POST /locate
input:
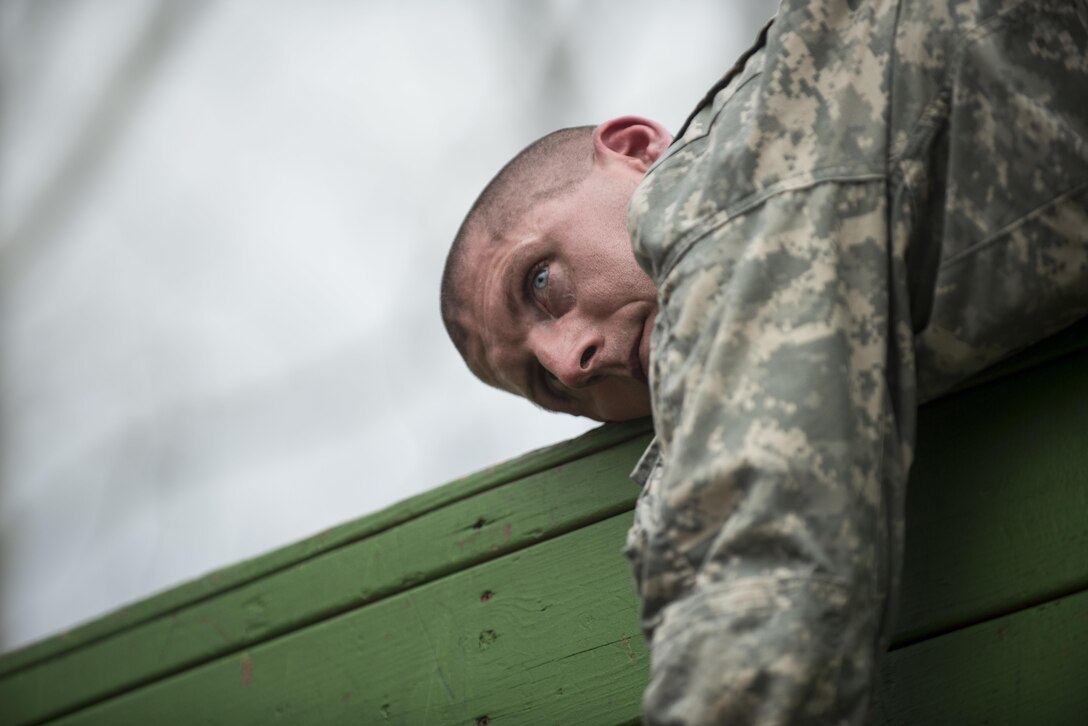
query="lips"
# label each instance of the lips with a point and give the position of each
(638, 371)
(644, 347)
(640, 353)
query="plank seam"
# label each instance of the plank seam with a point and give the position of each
(322, 617)
(1026, 603)
(1072, 342)
(502, 480)
(440, 574)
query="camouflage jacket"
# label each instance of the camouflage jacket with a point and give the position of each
(879, 200)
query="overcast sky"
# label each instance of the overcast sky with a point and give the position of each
(222, 226)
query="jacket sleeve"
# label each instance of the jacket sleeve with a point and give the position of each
(768, 543)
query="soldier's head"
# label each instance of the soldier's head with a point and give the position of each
(541, 293)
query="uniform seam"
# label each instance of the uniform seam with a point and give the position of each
(1018, 222)
(749, 203)
(884, 583)
(889, 75)
(681, 143)
(736, 71)
(929, 118)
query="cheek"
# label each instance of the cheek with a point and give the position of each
(617, 277)
(634, 278)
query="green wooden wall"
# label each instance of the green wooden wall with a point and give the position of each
(503, 598)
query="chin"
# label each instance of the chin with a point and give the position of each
(628, 409)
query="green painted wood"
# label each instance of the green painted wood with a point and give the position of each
(998, 501)
(249, 570)
(548, 635)
(460, 535)
(995, 510)
(545, 635)
(1030, 667)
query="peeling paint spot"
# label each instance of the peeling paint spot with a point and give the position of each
(247, 671)
(507, 530)
(256, 615)
(487, 595)
(479, 523)
(627, 648)
(487, 637)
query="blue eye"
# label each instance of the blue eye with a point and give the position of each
(540, 279)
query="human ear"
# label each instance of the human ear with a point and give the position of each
(630, 140)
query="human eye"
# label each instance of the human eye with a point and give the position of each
(539, 278)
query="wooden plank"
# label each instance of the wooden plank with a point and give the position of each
(249, 570)
(999, 492)
(458, 536)
(958, 565)
(542, 636)
(548, 635)
(1030, 667)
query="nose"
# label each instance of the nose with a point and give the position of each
(570, 353)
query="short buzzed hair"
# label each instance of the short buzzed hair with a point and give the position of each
(544, 170)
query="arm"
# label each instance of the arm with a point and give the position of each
(770, 538)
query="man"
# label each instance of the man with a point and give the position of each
(880, 199)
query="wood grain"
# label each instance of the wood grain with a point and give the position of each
(503, 595)
(235, 575)
(460, 535)
(544, 635)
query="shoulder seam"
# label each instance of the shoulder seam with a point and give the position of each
(827, 175)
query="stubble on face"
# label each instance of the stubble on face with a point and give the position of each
(585, 349)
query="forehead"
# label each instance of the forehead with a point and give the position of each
(489, 311)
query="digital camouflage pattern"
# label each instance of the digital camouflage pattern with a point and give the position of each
(885, 198)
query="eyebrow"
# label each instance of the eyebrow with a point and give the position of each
(513, 288)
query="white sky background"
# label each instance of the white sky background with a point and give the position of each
(222, 226)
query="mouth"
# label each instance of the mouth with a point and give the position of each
(640, 354)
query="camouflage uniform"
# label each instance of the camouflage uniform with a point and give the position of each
(882, 198)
